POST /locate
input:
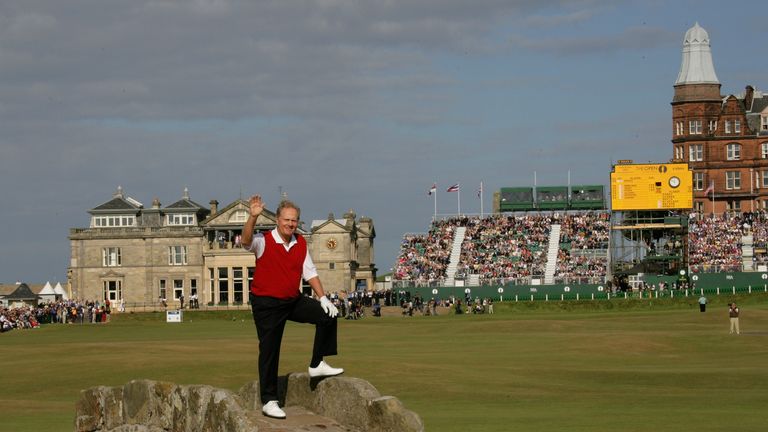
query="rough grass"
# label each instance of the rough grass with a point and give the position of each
(529, 367)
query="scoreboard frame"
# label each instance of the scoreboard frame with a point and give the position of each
(661, 186)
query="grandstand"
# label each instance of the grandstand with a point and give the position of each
(523, 248)
(553, 238)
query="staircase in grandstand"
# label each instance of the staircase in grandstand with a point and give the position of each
(458, 239)
(747, 253)
(552, 249)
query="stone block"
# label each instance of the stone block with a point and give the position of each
(346, 400)
(387, 413)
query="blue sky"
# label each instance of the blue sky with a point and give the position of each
(342, 104)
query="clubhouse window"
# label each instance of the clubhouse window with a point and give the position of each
(111, 257)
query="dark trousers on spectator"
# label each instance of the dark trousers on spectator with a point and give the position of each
(270, 315)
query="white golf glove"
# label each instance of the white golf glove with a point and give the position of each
(328, 307)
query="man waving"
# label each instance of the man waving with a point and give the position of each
(282, 261)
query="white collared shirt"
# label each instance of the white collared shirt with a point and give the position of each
(257, 247)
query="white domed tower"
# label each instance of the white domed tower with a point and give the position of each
(718, 136)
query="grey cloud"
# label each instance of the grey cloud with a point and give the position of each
(633, 38)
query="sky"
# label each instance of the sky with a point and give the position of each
(341, 104)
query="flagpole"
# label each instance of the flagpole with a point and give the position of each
(458, 197)
(481, 199)
(435, 194)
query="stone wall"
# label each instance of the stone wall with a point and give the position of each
(156, 406)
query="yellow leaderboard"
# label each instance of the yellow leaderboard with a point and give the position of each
(651, 187)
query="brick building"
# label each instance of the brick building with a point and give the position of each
(724, 139)
(143, 255)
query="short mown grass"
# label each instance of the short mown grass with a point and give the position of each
(635, 365)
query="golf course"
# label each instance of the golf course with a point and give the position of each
(618, 365)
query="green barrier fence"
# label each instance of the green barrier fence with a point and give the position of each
(707, 283)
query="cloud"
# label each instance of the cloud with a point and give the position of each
(631, 38)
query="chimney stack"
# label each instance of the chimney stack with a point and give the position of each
(214, 207)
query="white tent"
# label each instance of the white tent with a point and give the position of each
(47, 294)
(60, 293)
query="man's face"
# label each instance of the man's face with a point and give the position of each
(287, 222)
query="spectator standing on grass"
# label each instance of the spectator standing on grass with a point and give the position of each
(282, 261)
(733, 313)
(702, 303)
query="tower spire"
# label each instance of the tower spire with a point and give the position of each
(697, 66)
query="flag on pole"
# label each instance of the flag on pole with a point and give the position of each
(454, 188)
(433, 189)
(711, 188)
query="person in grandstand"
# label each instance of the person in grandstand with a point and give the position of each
(282, 260)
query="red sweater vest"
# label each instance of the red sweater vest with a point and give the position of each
(278, 271)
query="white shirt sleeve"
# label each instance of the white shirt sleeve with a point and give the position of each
(257, 245)
(310, 270)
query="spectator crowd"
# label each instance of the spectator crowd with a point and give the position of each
(507, 248)
(62, 312)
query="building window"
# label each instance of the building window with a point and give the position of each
(696, 152)
(211, 285)
(694, 127)
(733, 205)
(698, 206)
(223, 285)
(192, 288)
(183, 219)
(764, 123)
(763, 204)
(734, 151)
(113, 290)
(764, 179)
(178, 288)
(698, 181)
(177, 255)
(162, 290)
(712, 126)
(239, 216)
(727, 126)
(331, 266)
(679, 128)
(732, 180)
(237, 284)
(737, 126)
(113, 221)
(764, 150)
(111, 257)
(678, 152)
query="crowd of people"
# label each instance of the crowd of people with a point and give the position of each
(584, 240)
(62, 312)
(714, 241)
(425, 257)
(508, 248)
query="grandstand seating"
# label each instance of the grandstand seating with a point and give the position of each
(563, 247)
(506, 248)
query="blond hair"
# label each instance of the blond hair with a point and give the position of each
(284, 204)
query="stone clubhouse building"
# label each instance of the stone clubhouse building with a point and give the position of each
(181, 251)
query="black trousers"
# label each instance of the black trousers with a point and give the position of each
(270, 315)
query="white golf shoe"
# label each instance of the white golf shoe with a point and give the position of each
(272, 409)
(324, 370)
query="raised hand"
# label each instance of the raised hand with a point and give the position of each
(257, 205)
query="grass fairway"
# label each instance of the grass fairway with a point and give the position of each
(655, 369)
